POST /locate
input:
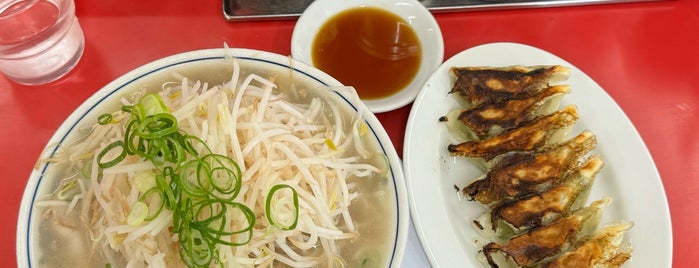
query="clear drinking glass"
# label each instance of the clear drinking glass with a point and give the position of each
(40, 40)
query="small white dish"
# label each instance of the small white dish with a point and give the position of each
(412, 11)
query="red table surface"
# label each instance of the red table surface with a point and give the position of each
(643, 54)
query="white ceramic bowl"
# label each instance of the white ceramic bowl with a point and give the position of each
(412, 11)
(40, 180)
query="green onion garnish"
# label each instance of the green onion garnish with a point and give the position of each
(104, 119)
(117, 145)
(269, 212)
(198, 186)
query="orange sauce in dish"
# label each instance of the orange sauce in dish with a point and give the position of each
(371, 49)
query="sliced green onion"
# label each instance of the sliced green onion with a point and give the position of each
(210, 231)
(175, 150)
(104, 119)
(188, 145)
(195, 251)
(157, 126)
(161, 203)
(113, 146)
(247, 230)
(268, 207)
(150, 104)
(139, 212)
(197, 185)
(224, 174)
(189, 179)
(170, 193)
(128, 108)
(131, 140)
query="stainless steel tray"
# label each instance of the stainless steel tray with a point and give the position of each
(290, 9)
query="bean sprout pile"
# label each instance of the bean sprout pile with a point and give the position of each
(242, 174)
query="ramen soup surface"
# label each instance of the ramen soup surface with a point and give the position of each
(61, 240)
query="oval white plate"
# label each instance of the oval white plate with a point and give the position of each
(444, 223)
(411, 11)
(39, 181)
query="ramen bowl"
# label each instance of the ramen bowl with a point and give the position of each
(372, 45)
(51, 230)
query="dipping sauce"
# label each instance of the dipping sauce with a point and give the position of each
(371, 49)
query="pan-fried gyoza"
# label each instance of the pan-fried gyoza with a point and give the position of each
(603, 249)
(482, 85)
(547, 241)
(537, 209)
(529, 172)
(487, 120)
(542, 131)
(536, 180)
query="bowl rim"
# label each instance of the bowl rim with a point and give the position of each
(24, 220)
(416, 14)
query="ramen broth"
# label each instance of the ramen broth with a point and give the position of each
(61, 239)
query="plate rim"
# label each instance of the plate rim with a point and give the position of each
(417, 106)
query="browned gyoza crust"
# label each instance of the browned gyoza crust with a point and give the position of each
(602, 249)
(547, 241)
(530, 211)
(481, 85)
(521, 173)
(508, 114)
(527, 137)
